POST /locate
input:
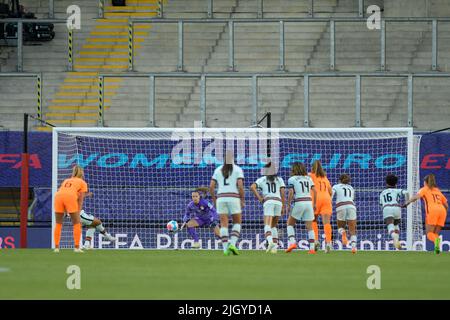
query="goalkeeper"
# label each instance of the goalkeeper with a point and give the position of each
(200, 212)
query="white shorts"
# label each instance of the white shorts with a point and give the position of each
(228, 205)
(86, 219)
(303, 210)
(392, 212)
(272, 208)
(346, 214)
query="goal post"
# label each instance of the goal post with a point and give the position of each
(143, 177)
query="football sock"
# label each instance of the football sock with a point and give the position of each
(291, 234)
(224, 238)
(57, 234)
(193, 233)
(77, 235)
(235, 232)
(268, 234)
(327, 228)
(275, 235)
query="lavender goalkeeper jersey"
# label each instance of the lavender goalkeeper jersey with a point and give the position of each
(203, 211)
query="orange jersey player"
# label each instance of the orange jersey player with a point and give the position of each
(436, 207)
(69, 199)
(323, 203)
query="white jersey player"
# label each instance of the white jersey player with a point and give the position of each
(93, 224)
(300, 188)
(272, 189)
(345, 210)
(390, 204)
(229, 179)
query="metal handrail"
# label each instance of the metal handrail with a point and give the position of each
(210, 8)
(39, 88)
(255, 76)
(20, 23)
(282, 43)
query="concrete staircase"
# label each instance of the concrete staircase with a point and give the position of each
(206, 50)
(104, 49)
(9, 206)
(71, 98)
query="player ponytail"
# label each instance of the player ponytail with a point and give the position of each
(227, 170)
(298, 169)
(318, 170)
(77, 172)
(431, 181)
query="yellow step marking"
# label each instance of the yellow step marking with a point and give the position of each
(107, 8)
(83, 73)
(9, 200)
(71, 114)
(88, 86)
(101, 67)
(141, 26)
(131, 14)
(82, 94)
(78, 100)
(102, 20)
(113, 40)
(43, 129)
(61, 121)
(117, 33)
(109, 46)
(103, 59)
(80, 108)
(87, 80)
(101, 53)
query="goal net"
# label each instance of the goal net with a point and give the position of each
(143, 178)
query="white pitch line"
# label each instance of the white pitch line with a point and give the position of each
(4, 269)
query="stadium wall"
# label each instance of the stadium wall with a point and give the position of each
(434, 158)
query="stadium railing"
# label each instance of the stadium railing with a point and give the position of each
(255, 76)
(20, 23)
(282, 42)
(210, 8)
(39, 82)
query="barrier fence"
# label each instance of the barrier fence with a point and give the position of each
(255, 77)
(39, 88)
(282, 41)
(231, 43)
(259, 12)
(20, 23)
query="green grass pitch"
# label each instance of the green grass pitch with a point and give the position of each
(187, 274)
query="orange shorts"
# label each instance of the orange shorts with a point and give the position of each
(436, 218)
(323, 207)
(65, 202)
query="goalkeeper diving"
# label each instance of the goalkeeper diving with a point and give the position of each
(199, 213)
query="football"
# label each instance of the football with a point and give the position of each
(172, 226)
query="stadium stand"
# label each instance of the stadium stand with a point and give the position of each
(71, 98)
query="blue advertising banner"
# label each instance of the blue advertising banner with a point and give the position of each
(40, 150)
(127, 180)
(37, 237)
(435, 157)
